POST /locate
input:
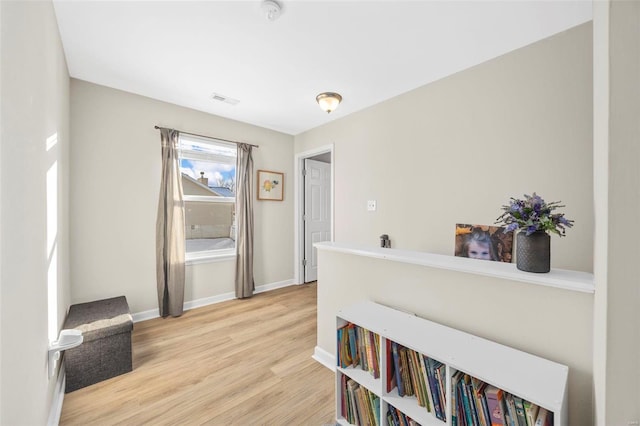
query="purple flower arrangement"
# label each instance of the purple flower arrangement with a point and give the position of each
(533, 214)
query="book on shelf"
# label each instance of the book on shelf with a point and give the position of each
(396, 362)
(502, 400)
(492, 394)
(419, 377)
(478, 387)
(531, 412)
(519, 409)
(432, 365)
(466, 401)
(396, 417)
(441, 371)
(391, 370)
(353, 416)
(358, 348)
(425, 381)
(476, 403)
(404, 370)
(359, 405)
(455, 400)
(351, 328)
(544, 418)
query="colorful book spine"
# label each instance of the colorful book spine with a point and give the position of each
(492, 393)
(531, 412)
(351, 330)
(396, 363)
(434, 388)
(440, 371)
(519, 408)
(543, 418)
(404, 367)
(466, 401)
(425, 380)
(478, 396)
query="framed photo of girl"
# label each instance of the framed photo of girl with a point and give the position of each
(270, 185)
(483, 242)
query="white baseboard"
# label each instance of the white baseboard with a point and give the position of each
(198, 303)
(58, 398)
(205, 301)
(324, 358)
(273, 286)
(145, 315)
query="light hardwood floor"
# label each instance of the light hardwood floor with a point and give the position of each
(242, 362)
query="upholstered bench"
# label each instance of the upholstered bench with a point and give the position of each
(106, 351)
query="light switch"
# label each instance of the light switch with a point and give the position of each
(371, 205)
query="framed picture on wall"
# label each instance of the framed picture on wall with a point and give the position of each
(270, 185)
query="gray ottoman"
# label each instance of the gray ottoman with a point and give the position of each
(106, 351)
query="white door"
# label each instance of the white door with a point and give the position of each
(317, 213)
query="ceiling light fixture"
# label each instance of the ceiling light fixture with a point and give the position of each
(271, 9)
(328, 101)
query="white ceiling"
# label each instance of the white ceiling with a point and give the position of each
(368, 51)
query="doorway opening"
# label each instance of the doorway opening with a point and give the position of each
(313, 209)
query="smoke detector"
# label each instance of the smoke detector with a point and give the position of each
(271, 9)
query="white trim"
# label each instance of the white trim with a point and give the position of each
(205, 301)
(273, 286)
(324, 358)
(145, 315)
(298, 194)
(209, 257)
(558, 278)
(58, 398)
(208, 199)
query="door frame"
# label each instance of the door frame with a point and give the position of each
(298, 188)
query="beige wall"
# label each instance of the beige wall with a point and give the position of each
(548, 322)
(455, 150)
(617, 166)
(34, 89)
(115, 177)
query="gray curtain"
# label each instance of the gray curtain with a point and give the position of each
(244, 222)
(170, 230)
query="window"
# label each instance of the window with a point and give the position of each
(208, 170)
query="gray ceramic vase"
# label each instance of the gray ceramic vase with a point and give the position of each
(533, 252)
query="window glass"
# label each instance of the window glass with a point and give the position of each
(208, 170)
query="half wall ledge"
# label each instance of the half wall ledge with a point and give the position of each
(558, 278)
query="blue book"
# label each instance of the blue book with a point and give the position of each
(396, 363)
(465, 401)
(433, 384)
(352, 344)
(394, 414)
(340, 347)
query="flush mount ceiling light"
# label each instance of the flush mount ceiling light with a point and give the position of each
(271, 9)
(328, 101)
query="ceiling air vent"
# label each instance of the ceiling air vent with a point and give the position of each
(221, 98)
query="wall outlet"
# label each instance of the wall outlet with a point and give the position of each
(371, 205)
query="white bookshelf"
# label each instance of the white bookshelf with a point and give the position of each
(530, 377)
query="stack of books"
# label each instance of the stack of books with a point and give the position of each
(417, 375)
(358, 347)
(396, 417)
(476, 403)
(359, 405)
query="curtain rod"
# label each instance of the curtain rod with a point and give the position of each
(204, 136)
